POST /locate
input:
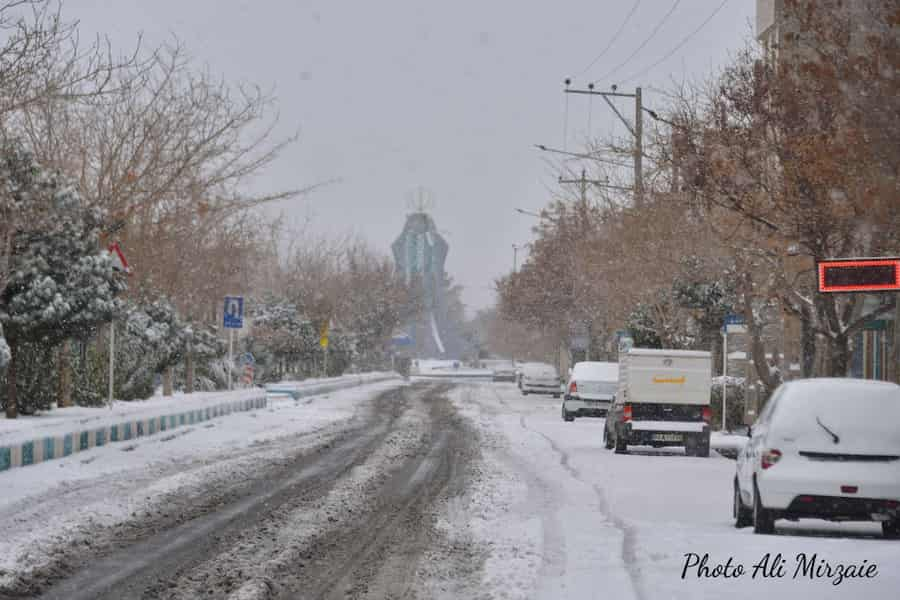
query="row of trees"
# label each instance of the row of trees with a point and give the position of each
(754, 175)
(145, 149)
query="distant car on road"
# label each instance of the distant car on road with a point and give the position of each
(826, 449)
(501, 370)
(590, 389)
(537, 378)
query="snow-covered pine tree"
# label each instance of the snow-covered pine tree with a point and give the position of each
(154, 338)
(55, 282)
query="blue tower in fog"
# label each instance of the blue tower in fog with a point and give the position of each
(419, 254)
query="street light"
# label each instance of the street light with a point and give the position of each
(529, 213)
(516, 248)
(656, 117)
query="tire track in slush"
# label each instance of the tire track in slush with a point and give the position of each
(629, 536)
(541, 494)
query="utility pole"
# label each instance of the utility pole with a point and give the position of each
(515, 264)
(583, 182)
(637, 131)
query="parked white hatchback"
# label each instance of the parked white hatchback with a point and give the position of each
(826, 449)
(590, 390)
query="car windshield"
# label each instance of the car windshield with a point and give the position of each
(437, 300)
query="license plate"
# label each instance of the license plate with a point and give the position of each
(667, 437)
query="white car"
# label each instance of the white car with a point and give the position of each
(823, 448)
(590, 390)
(539, 379)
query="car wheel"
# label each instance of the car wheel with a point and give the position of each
(763, 519)
(891, 529)
(743, 516)
(621, 445)
(556, 395)
(689, 448)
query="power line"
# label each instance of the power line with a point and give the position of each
(643, 44)
(613, 39)
(680, 44)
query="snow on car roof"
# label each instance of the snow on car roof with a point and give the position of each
(596, 371)
(874, 405)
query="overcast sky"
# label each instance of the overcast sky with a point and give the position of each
(395, 94)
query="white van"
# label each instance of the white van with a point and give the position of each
(662, 400)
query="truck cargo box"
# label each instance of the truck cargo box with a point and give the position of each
(665, 376)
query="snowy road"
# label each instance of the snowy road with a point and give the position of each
(566, 518)
(339, 503)
(435, 490)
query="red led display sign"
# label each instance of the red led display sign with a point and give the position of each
(859, 275)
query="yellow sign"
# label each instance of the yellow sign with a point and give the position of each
(323, 335)
(678, 380)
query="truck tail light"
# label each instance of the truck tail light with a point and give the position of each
(707, 414)
(573, 388)
(769, 458)
(626, 413)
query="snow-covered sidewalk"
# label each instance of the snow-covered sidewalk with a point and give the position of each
(62, 432)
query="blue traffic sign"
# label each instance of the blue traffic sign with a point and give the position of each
(401, 340)
(234, 312)
(247, 359)
(734, 319)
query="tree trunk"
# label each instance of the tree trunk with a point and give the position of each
(12, 407)
(167, 381)
(807, 344)
(839, 356)
(65, 374)
(189, 372)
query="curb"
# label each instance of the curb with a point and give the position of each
(40, 450)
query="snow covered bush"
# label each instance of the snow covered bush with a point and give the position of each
(56, 284)
(152, 339)
(4, 353)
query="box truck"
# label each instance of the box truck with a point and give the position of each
(662, 400)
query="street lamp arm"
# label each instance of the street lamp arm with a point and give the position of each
(655, 116)
(529, 213)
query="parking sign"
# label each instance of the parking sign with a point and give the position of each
(234, 312)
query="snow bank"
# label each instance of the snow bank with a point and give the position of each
(446, 368)
(64, 431)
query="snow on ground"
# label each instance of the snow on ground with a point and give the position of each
(68, 498)
(60, 421)
(64, 420)
(562, 517)
(731, 442)
(442, 368)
